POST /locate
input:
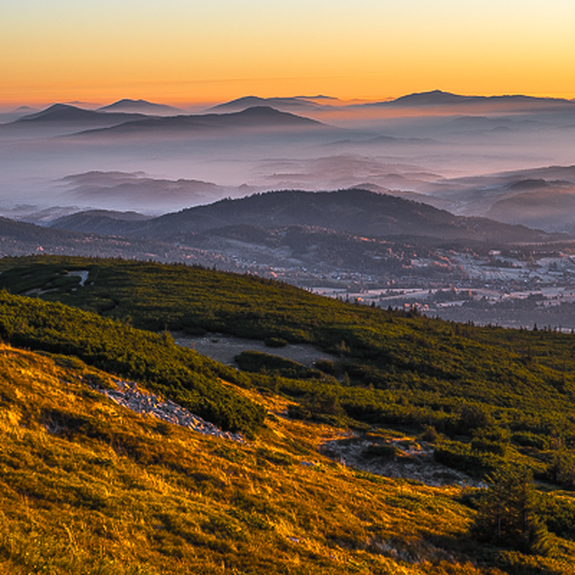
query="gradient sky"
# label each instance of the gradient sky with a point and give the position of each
(181, 51)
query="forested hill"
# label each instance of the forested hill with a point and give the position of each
(355, 211)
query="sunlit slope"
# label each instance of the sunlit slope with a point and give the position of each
(177, 373)
(493, 395)
(90, 487)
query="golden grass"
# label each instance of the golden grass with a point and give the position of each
(89, 487)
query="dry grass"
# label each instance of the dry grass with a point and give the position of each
(89, 487)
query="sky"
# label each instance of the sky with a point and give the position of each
(186, 51)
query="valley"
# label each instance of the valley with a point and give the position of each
(459, 268)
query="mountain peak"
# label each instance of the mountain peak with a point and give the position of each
(285, 104)
(430, 98)
(140, 106)
(60, 112)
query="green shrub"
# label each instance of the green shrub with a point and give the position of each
(528, 439)
(275, 342)
(258, 362)
(462, 457)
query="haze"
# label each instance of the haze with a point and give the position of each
(417, 144)
(196, 55)
(153, 108)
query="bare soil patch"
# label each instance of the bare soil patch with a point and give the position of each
(224, 348)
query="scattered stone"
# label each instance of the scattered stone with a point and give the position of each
(129, 395)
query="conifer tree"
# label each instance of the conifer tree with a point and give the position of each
(507, 516)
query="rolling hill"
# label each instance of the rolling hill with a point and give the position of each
(21, 238)
(71, 114)
(351, 211)
(139, 189)
(255, 118)
(539, 197)
(295, 104)
(141, 107)
(441, 99)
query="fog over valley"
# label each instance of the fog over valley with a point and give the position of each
(419, 143)
(497, 173)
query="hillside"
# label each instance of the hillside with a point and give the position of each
(447, 100)
(137, 189)
(177, 373)
(512, 389)
(66, 113)
(255, 118)
(90, 486)
(21, 238)
(541, 197)
(351, 211)
(301, 105)
(141, 107)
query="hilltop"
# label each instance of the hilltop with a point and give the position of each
(296, 104)
(254, 118)
(441, 99)
(141, 107)
(72, 114)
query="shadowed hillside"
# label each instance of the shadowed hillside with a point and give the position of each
(353, 211)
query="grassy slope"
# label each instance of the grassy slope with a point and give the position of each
(178, 373)
(88, 487)
(523, 378)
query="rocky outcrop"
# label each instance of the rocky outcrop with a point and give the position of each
(131, 396)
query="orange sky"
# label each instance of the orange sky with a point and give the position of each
(180, 52)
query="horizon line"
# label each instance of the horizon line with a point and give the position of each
(89, 103)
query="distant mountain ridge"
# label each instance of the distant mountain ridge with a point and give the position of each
(96, 185)
(126, 191)
(289, 104)
(441, 98)
(542, 197)
(69, 113)
(258, 117)
(98, 122)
